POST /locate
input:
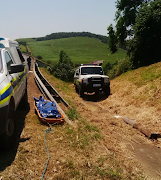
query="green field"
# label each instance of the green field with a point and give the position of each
(79, 49)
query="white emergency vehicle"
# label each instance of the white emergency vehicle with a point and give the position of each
(91, 78)
(13, 88)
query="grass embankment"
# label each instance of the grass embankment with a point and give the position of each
(79, 49)
(146, 81)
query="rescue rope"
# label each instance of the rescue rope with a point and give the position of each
(47, 131)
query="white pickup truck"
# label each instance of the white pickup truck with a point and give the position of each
(13, 88)
(91, 78)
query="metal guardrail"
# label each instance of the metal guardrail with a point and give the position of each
(48, 91)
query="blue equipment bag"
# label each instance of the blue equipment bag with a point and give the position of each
(47, 109)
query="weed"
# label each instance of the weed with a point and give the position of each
(115, 175)
(72, 114)
(91, 128)
(69, 164)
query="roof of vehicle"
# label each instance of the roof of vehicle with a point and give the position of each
(87, 65)
(6, 42)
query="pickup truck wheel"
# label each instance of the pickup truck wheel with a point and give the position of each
(107, 91)
(97, 93)
(81, 92)
(76, 89)
(9, 134)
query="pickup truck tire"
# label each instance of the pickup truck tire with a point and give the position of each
(97, 93)
(76, 88)
(81, 91)
(8, 137)
(107, 91)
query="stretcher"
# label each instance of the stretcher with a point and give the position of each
(47, 111)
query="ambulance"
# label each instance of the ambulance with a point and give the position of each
(13, 89)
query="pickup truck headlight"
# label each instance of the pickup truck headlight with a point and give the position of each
(106, 80)
(85, 80)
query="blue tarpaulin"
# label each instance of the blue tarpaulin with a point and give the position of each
(47, 109)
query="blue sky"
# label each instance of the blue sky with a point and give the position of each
(37, 18)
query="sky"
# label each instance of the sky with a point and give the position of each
(38, 18)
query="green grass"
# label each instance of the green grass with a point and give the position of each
(144, 75)
(23, 48)
(79, 49)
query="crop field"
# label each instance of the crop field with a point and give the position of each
(79, 49)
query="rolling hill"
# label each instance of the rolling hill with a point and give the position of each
(79, 49)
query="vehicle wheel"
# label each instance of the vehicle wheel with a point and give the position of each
(107, 91)
(97, 93)
(76, 89)
(81, 92)
(8, 137)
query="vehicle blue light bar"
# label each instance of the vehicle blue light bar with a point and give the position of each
(2, 46)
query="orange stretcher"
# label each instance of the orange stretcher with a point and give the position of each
(49, 118)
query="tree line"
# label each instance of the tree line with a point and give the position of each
(59, 35)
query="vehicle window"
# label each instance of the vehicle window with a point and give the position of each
(77, 71)
(20, 55)
(1, 65)
(8, 60)
(91, 70)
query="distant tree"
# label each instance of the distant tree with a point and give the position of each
(59, 35)
(64, 69)
(112, 41)
(39, 57)
(22, 42)
(49, 62)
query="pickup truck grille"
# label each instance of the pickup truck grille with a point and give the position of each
(95, 80)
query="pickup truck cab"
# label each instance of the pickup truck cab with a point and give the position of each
(13, 88)
(91, 78)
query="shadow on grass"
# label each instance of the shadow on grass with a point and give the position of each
(8, 156)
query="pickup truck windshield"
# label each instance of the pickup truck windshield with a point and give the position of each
(1, 67)
(91, 70)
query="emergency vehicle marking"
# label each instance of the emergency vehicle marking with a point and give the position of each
(22, 75)
(7, 92)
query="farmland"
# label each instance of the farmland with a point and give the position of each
(79, 49)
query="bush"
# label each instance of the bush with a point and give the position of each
(64, 69)
(118, 68)
(39, 57)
